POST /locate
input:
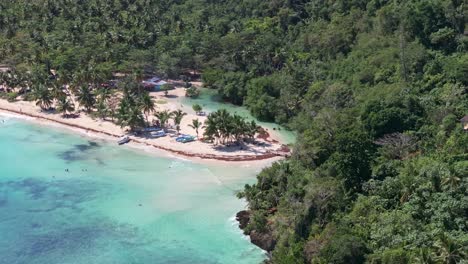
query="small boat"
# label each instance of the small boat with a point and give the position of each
(180, 137)
(123, 140)
(185, 139)
(151, 129)
(188, 139)
(157, 134)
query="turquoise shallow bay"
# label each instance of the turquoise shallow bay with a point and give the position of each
(115, 205)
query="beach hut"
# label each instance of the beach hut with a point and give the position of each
(157, 86)
(464, 122)
(154, 84)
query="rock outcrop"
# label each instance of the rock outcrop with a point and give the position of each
(264, 240)
(243, 217)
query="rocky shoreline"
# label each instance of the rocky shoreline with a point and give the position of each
(264, 240)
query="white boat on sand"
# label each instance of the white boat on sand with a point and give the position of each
(123, 140)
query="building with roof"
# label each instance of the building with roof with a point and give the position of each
(155, 84)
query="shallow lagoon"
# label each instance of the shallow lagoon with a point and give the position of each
(114, 205)
(211, 101)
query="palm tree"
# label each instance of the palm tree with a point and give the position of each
(135, 119)
(103, 94)
(238, 127)
(43, 97)
(64, 106)
(224, 124)
(448, 250)
(197, 108)
(177, 116)
(57, 91)
(147, 105)
(211, 127)
(112, 106)
(101, 108)
(252, 129)
(452, 180)
(424, 256)
(129, 113)
(196, 124)
(86, 98)
(163, 117)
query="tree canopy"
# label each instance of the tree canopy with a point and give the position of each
(375, 90)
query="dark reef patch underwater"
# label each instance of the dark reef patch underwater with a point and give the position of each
(65, 199)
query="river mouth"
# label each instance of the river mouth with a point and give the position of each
(71, 199)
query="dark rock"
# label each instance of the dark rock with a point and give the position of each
(243, 217)
(265, 241)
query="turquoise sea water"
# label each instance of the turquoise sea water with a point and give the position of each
(211, 101)
(114, 205)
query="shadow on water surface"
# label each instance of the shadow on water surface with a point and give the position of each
(51, 196)
(79, 152)
(75, 239)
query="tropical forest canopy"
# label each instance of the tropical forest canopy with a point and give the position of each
(375, 90)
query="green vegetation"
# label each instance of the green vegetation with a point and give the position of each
(196, 125)
(197, 108)
(375, 90)
(147, 105)
(178, 115)
(223, 127)
(163, 117)
(192, 92)
(64, 106)
(43, 97)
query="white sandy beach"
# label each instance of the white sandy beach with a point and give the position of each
(109, 131)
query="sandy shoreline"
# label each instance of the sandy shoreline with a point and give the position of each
(196, 151)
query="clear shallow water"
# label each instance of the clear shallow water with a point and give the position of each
(115, 205)
(210, 101)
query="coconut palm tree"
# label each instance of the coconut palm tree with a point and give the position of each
(57, 91)
(177, 116)
(425, 256)
(211, 127)
(135, 118)
(147, 105)
(129, 113)
(452, 180)
(43, 97)
(86, 98)
(238, 127)
(102, 108)
(224, 127)
(196, 124)
(163, 117)
(65, 106)
(224, 124)
(103, 94)
(448, 250)
(197, 108)
(251, 130)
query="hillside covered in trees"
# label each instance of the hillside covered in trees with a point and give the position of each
(375, 89)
